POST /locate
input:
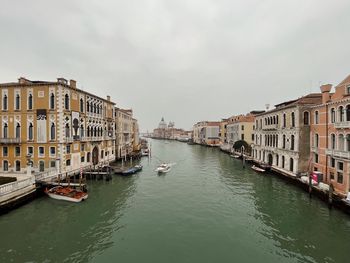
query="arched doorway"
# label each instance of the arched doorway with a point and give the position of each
(95, 156)
(270, 159)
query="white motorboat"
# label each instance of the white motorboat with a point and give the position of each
(66, 193)
(163, 168)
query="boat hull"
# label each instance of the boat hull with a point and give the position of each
(66, 198)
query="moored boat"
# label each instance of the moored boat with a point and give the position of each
(132, 170)
(258, 169)
(66, 193)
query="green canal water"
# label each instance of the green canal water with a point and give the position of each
(206, 209)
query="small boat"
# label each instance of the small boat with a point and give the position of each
(236, 156)
(66, 193)
(144, 152)
(163, 168)
(132, 170)
(258, 169)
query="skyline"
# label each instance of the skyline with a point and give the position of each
(186, 61)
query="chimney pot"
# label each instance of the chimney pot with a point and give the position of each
(73, 83)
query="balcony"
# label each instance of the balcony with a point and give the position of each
(338, 153)
(68, 140)
(10, 140)
(342, 125)
(270, 127)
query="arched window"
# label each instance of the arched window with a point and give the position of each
(292, 142)
(277, 159)
(316, 117)
(347, 112)
(30, 132)
(95, 109)
(17, 102)
(52, 101)
(284, 120)
(5, 131)
(276, 140)
(67, 131)
(18, 130)
(284, 141)
(91, 107)
(332, 115)
(341, 113)
(316, 142)
(277, 119)
(53, 131)
(30, 102)
(66, 102)
(306, 118)
(348, 142)
(282, 161)
(4, 102)
(293, 119)
(274, 119)
(88, 157)
(291, 164)
(341, 142)
(333, 141)
(87, 106)
(81, 105)
(95, 132)
(81, 130)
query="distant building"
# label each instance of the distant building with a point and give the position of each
(207, 133)
(167, 131)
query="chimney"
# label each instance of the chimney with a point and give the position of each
(108, 98)
(325, 89)
(23, 80)
(73, 84)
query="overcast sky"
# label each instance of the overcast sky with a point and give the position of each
(186, 60)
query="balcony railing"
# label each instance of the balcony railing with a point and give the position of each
(338, 153)
(17, 185)
(10, 140)
(68, 140)
(343, 124)
(270, 127)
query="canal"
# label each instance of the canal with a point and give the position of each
(206, 209)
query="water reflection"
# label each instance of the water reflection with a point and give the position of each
(59, 229)
(304, 229)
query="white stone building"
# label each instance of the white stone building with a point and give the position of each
(282, 136)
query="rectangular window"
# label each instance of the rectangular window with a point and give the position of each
(253, 137)
(82, 147)
(242, 127)
(68, 162)
(242, 137)
(41, 151)
(52, 151)
(68, 149)
(316, 158)
(30, 150)
(82, 159)
(52, 164)
(18, 151)
(340, 166)
(332, 162)
(331, 175)
(348, 89)
(5, 151)
(339, 177)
